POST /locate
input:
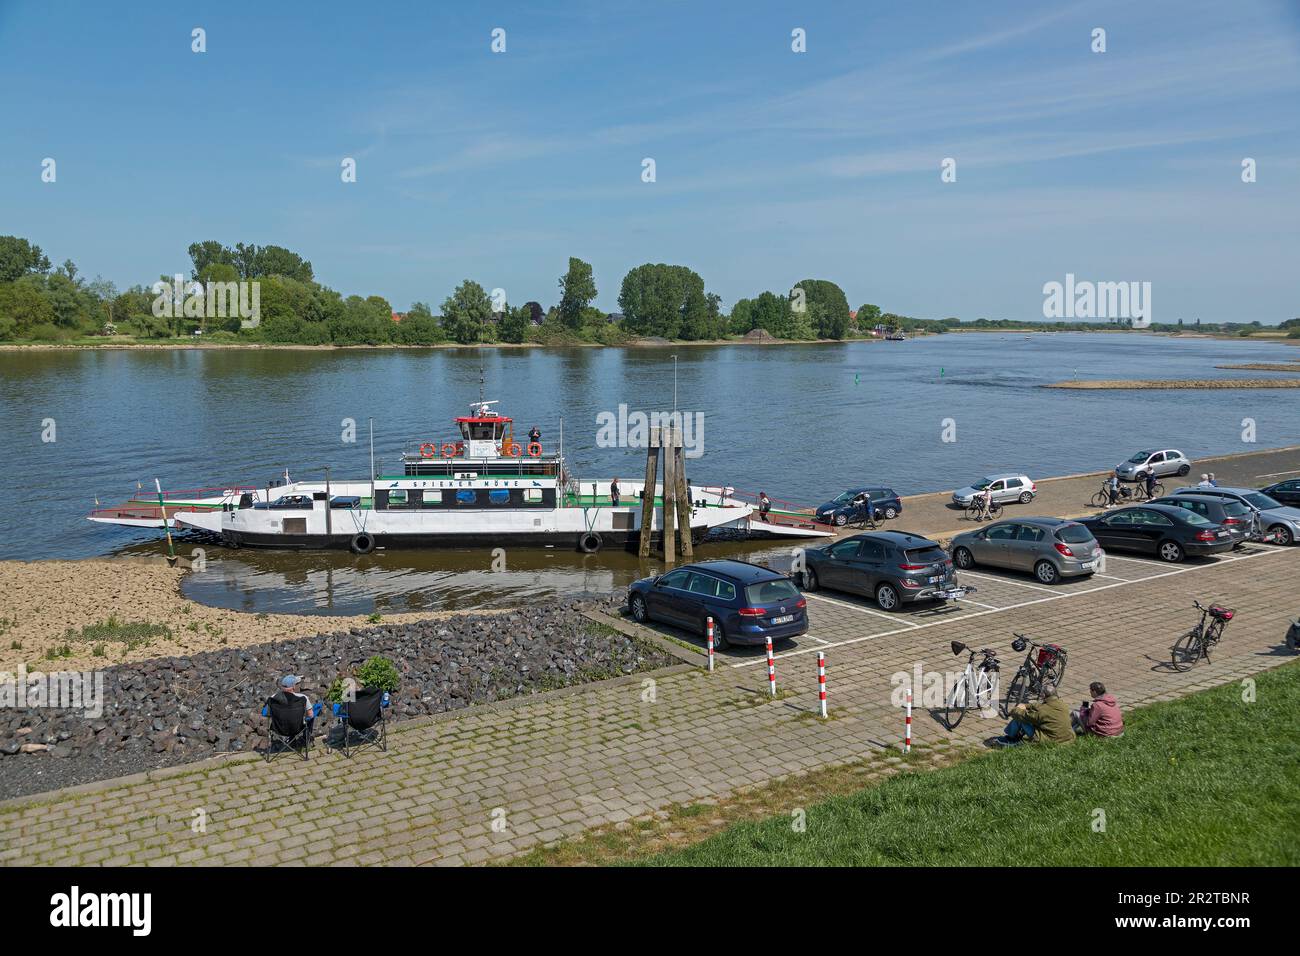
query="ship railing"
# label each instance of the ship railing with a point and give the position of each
(217, 491)
(781, 511)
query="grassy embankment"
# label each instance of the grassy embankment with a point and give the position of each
(1205, 780)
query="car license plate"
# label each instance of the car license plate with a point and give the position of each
(936, 578)
(1088, 565)
(784, 619)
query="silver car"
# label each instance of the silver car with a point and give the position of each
(1159, 461)
(1008, 486)
(1282, 520)
(1048, 548)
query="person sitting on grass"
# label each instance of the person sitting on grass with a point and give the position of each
(1045, 721)
(1099, 716)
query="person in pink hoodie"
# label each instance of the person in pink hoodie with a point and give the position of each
(1099, 717)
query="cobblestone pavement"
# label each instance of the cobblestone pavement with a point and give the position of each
(493, 782)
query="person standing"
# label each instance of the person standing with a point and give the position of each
(613, 492)
(1151, 484)
(534, 436)
(1112, 488)
(764, 505)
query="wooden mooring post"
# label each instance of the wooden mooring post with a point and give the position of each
(676, 510)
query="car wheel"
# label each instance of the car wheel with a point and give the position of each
(1183, 470)
(810, 580)
(841, 520)
(640, 614)
(891, 513)
(1046, 572)
(1171, 551)
(887, 597)
(963, 558)
(1026, 497)
(719, 635)
(1282, 534)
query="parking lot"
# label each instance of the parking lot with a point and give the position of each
(839, 620)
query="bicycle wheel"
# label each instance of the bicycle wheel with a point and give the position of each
(1157, 490)
(1055, 671)
(1186, 650)
(986, 693)
(995, 510)
(957, 703)
(972, 512)
(1100, 500)
(1017, 693)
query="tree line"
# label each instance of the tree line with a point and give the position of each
(41, 303)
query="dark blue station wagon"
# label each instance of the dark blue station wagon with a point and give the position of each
(748, 603)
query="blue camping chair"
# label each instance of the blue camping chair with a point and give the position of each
(363, 721)
(291, 728)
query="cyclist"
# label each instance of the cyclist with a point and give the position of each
(985, 501)
(1045, 721)
(1099, 716)
(1151, 484)
(1112, 488)
(863, 501)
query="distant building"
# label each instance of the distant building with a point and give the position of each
(398, 316)
(614, 317)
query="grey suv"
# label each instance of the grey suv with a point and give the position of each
(1279, 519)
(1232, 514)
(1158, 461)
(1049, 548)
(894, 567)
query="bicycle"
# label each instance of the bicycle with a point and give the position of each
(1048, 665)
(1102, 498)
(1140, 493)
(976, 510)
(868, 520)
(1196, 643)
(977, 686)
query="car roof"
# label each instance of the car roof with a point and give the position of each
(1163, 509)
(905, 539)
(740, 570)
(1042, 521)
(1198, 496)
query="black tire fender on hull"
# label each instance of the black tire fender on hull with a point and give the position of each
(590, 542)
(362, 543)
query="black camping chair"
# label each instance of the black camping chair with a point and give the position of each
(363, 721)
(289, 730)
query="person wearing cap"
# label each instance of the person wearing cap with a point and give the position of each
(1044, 721)
(288, 690)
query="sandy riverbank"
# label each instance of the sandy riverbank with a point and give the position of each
(42, 600)
(1266, 366)
(1181, 383)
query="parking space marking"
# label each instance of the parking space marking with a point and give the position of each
(864, 610)
(1064, 595)
(1019, 584)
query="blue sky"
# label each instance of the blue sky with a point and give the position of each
(772, 166)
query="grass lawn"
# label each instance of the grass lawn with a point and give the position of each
(1206, 780)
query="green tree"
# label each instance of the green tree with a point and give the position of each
(664, 300)
(868, 316)
(24, 306)
(771, 312)
(742, 314)
(465, 313)
(515, 323)
(577, 292)
(18, 258)
(830, 320)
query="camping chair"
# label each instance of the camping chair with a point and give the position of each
(363, 721)
(290, 728)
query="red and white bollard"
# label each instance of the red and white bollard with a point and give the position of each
(709, 630)
(771, 667)
(821, 681)
(907, 725)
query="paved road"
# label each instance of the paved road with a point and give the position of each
(934, 515)
(553, 766)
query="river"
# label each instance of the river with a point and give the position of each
(801, 422)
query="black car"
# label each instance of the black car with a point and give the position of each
(852, 505)
(894, 567)
(748, 603)
(1287, 492)
(1232, 514)
(1166, 531)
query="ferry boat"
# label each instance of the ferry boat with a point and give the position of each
(483, 488)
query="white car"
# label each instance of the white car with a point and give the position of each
(1010, 486)
(1158, 461)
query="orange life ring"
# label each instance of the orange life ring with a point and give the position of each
(428, 450)
(534, 449)
(514, 451)
(449, 450)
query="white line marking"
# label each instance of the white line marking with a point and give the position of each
(1278, 474)
(864, 610)
(967, 600)
(1019, 584)
(1055, 597)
